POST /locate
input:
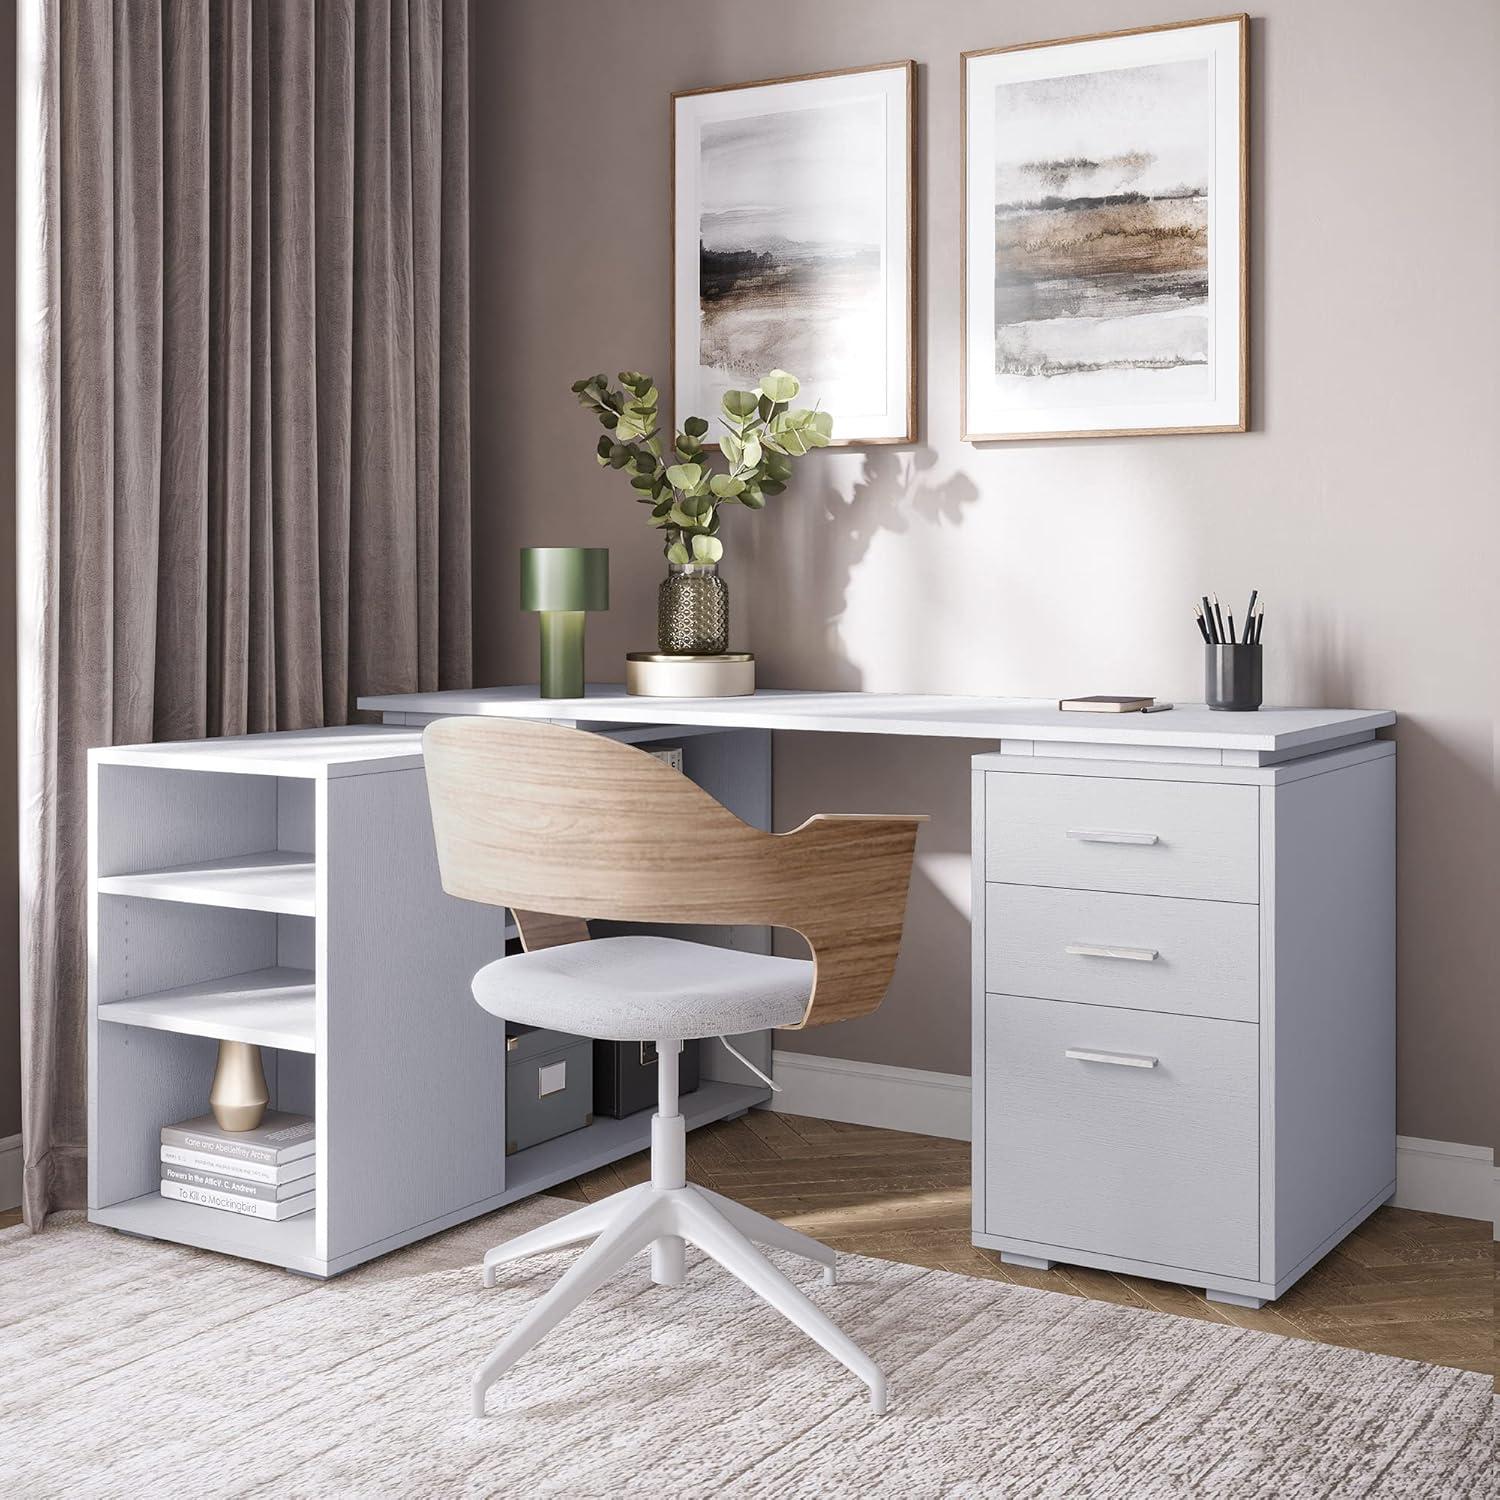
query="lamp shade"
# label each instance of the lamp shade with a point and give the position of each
(564, 578)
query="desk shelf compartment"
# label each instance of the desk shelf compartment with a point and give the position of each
(206, 838)
(294, 901)
(221, 972)
(144, 1078)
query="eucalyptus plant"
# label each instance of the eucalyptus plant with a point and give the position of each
(762, 434)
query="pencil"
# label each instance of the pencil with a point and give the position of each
(1208, 615)
(1202, 628)
(1250, 614)
(1218, 619)
(1231, 627)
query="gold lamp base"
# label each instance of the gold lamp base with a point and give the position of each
(239, 1096)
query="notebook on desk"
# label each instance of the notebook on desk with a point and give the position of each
(1104, 703)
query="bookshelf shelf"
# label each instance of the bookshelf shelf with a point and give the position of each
(273, 1007)
(274, 880)
(290, 1243)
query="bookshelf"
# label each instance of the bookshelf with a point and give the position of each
(283, 890)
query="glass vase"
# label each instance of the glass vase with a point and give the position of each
(692, 611)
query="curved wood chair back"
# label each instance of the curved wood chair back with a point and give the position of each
(561, 825)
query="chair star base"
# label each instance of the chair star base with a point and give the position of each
(664, 1215)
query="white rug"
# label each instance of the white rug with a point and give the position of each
(130, 1368)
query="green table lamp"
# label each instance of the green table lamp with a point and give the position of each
(561, 584)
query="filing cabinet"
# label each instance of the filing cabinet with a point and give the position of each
(1184, 1012)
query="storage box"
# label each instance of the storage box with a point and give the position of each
(625, 1076)
(549, 1085)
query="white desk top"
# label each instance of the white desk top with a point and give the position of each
(1189, 725)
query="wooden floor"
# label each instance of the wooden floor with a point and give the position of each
(1417, 1285)
(1421, 1286)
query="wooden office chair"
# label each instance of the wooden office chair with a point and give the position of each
(559, 826)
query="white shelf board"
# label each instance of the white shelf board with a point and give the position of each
(596, 1145)
(276, 881)
(290, 1243)
(349, 750)
(274, 1007)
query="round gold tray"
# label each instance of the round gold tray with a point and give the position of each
(652, 674)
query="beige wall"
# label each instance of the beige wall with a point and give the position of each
(1363, 504)
(10, 1073)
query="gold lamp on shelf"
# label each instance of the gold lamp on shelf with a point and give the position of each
(562, 584)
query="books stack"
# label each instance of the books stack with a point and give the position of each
(266, 1173)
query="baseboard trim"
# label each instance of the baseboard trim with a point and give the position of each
(10, 1172)
(1435, 1177)
(1444, 1177)
(861, 1093)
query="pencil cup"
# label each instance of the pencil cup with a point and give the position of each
(1231, 677)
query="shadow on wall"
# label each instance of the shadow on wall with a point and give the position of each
(1447, 870)
(1448, 864)
(1322, 670)
(795, 595)
(924, 1022)
(802, 566)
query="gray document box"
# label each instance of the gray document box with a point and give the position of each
(549, 1085)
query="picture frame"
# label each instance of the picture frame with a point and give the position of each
(1105, 234)
(794, 245)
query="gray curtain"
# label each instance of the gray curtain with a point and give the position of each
(243, 432)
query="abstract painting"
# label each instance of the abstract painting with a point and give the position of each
(1104, 235)
(792, 246)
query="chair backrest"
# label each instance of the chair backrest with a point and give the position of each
(561, 825)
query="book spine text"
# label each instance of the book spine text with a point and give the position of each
(216, 1182)
(249, 1171)
(251, 1207)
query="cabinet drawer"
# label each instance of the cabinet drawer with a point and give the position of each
(1150, 838)
(1155, 1163)
(1198, 958)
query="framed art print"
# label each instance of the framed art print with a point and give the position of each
(793, 246)
(1105, 235)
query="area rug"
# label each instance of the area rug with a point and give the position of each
(133, 1368)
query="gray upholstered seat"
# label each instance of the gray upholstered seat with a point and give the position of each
(634, 989)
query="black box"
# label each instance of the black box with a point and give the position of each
(625, 1076)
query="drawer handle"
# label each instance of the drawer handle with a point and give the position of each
(1109, 836)
(1100, 950)
(1119, 1059)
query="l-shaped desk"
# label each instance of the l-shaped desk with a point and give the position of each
(1183, 963)
(1183, 1013)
